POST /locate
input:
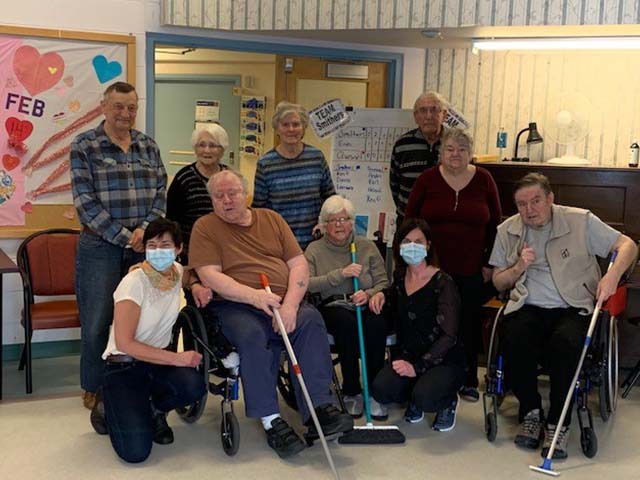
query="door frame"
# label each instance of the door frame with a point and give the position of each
(395, 61)
(200, 79)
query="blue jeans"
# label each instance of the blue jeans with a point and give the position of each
(129, 391)
(260, 348)
(100, 266)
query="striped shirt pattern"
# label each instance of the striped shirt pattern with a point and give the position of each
(116, 192)
(411, 156)
(187, 201)
(295, 188)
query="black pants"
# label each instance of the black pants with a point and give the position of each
(552, 338)
(343, 325)
(432, 391)
(473, 294)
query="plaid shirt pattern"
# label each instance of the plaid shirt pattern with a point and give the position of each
(116, 192)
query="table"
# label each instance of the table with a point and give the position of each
(6, 266)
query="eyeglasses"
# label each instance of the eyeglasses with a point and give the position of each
(428, 110)
(232, 194)
(204, 145)
(120, 107)
(335, 221)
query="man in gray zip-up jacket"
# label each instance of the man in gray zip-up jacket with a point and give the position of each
(546, 257)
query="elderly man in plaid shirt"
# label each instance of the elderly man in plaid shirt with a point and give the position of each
(119, 186)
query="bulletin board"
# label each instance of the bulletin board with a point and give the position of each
(51, 84)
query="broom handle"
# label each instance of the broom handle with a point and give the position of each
(298, 372)
(587, 342)
(363, 358)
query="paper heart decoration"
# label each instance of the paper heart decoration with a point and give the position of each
(36, 72)
(18, 130)
(10, 161)
(74, 105)
(11, 83)
(106, 70)
(60, 91)
(69, 214)
(68, 81)
(27, 207)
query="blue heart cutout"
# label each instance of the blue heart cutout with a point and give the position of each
(104, 69)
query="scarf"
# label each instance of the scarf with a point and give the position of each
(158, 280)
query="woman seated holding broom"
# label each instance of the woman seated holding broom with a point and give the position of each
(428, 363)
(331, 273)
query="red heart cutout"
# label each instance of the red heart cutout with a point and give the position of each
(18, 130)
(27, 207)
(37, 73)
(10, 161)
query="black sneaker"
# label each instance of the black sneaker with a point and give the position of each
(162, 433)
(413, 414)
(531, 431)
(331, 420)
(283, 439)
(445, 419)
(470, 394)
(97, 414)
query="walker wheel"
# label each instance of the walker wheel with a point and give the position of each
(490, 426)
(589, 442)
(230, 433)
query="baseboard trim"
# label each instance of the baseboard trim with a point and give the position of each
(58, 348)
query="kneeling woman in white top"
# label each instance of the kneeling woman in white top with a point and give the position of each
(142, 380)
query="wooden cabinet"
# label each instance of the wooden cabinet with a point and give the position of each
(613, 194)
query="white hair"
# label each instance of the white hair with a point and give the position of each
(440, 100)
(230, 171)
(218, 133)
(285, 108)
(333, 205)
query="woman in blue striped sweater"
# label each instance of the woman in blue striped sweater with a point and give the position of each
(293, 178)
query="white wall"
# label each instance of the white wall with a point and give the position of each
(137, 17)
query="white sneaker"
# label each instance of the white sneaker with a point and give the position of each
(354, 404)
(378, 410)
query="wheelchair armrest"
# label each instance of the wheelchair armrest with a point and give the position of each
(617, 302)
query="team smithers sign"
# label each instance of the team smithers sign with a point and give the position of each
(328, 118)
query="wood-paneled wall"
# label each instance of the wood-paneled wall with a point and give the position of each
(360, 14)
(510, 89)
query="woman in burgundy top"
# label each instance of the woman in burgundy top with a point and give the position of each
(460, 202)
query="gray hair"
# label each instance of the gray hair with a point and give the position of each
(532, 179)
(333, 205)
(230, 171)
(440, 99)
(285, 108)
(458, 135)
(218, 133)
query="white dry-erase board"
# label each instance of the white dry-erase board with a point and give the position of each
(360, 160)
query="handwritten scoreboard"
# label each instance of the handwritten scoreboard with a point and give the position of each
(360, 160)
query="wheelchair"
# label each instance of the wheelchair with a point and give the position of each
(599, 371)
(190, 325)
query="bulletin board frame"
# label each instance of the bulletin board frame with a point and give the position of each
(52, 216)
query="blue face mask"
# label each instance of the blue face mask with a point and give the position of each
(413, 253)
(160, 258)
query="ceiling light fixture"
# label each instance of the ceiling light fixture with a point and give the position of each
(558, 43)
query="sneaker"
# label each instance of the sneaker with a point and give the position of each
(88, 400)
(353, 404)
(97, 414)
(378, 411)
(531, 431)
(560, 451)
(331, 420)
(413, 414)
(283, 439)
(446, 418)
(162, 433)
(470, 394)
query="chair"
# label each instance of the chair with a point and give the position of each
(46, 261)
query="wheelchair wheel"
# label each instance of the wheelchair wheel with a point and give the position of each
(190, 320)
(285, 384)
(608, 389)
(589, 442)
(230, 433)
(612, 377)
(490, 426)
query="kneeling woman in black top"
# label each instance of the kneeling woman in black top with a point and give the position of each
(428, 365)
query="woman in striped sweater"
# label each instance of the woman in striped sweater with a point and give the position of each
(293, 178)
